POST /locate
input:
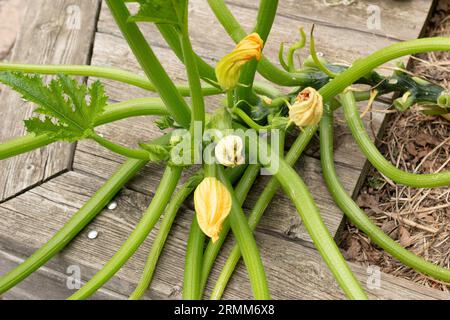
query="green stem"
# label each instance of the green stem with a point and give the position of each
(358, 216)
(303, 140)
(241, 190)
(206, 71)
(190, 62)
(162, 196)
(73, 226)
(299, 45)
(196, 240)
(150, 64)
(247, 119)
(296, 189)
(98, 72)
(313, 52)
(124, 151)
(132, 108)
(264, 21)
(365, 65)
(213, 248)
(170, 35)
(246, 242)
(377, 159)
(259, 208)
(163, 233)
(193, 263)
(113, 112)
(265, 67)
(166, 224)
(16, 146)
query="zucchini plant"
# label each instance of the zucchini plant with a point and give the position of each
(233, 144)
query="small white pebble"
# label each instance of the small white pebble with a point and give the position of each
(320, 54)
(93, 234)
(112, 205)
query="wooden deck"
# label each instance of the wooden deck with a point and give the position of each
(41, 190)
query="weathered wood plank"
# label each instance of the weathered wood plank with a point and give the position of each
(294, 271)
(397, 19)
(45, 284)
(10, 17)
(345, 45)
(53, 31)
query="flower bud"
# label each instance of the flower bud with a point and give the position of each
(228, 70)
(307, 109)
(228, 151)
(212, 205)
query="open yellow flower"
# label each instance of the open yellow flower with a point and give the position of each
(213, 203)
(307, 109)
(228, 70)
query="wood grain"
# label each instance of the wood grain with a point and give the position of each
(53, 31)
(294, 270)
(395, 17)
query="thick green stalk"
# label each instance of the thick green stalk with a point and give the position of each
(213, 248)
(206, 71)
(303, 140)
(193, 263)
(196, 240)
(301, 197)
(98, 72)
(194, 253)
(162, 196)
(163, 233)
(170, 35)
(113, 112)
(296, 189)
(166, 224)
(266, 16)
(16, 146)
(365, 65)
(150, 64)
(375, 157)
(124, 151)
(242, 189)
(132, 108)
(246, 242)
(190, 62)
(72, 227)
(265, 67)
(359, 218)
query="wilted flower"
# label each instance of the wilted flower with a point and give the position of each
(228, 151)
(307, 109)
(212, 205)
(228, 70)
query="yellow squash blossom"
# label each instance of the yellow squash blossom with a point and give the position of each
(228, 70)
(212, 205)
(307, 109)
(228, 151)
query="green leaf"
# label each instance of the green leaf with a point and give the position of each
(161, 11)
(67, 114)
(165, 122)
(156, 152)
